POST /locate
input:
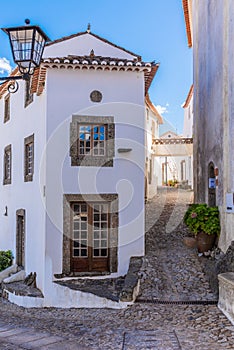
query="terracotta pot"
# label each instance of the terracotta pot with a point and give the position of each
(205, 242)
(190, 242)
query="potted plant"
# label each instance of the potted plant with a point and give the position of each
(204, 222)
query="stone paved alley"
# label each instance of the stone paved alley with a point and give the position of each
(170, 272)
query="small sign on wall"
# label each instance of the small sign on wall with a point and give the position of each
(230, 202)
(212, 182)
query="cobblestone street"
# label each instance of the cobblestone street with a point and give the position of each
(171, 272)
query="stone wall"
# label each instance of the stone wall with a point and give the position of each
(213, 104)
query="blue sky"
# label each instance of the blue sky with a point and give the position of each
(154, 29)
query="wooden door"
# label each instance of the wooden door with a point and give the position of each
(89, 237)
(20, 240)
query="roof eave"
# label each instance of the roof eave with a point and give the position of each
(187, 22)
(150, 77)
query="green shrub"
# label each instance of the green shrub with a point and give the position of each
(6, 258)
(201, 218)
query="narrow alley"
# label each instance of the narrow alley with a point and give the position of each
(175, 309)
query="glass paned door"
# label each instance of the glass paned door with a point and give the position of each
(89, 241)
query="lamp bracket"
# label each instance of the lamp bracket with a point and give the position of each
(14, 85)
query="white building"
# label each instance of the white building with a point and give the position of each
(174, 157)
(188, 114)
(153, 121)
(73, 166)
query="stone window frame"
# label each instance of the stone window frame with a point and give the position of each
(28, 140)
(7, 108)
(6, 178)
(91, 160)
(112, 200)
(28, 96)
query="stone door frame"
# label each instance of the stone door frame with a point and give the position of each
(20, 237)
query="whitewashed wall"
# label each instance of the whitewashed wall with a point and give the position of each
(82, 45)
(19, 194)
(188, 120)
(151, 122)
(125, 102)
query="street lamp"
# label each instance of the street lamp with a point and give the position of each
(27, 46)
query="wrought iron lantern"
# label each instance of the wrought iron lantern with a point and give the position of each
(27, 45)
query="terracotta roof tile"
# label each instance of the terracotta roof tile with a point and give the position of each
(104, 63)
(38, 80)
(187, 22)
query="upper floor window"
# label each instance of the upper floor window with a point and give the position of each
(28, 94)
(7, 165)
(28, 158)
(7, 108)
(92, 141)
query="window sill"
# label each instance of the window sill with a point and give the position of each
(92, 161)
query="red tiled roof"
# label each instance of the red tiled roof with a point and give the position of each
(188, 98)
(187, 22)
(38, 81)
(97, 37)
(84, 62)
(104, 63)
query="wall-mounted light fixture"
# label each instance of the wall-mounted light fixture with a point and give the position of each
(27, 46)
(6, 211)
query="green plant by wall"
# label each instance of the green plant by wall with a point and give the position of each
(201, 218)
(6, 258)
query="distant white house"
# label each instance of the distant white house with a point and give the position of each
(152, 123)
(188, 114)
(173, 154)
(73, 166)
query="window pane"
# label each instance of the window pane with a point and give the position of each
(76, 252)
(103, 252)
(84, 252)
(83, 234)
(96, 244)
(96, 252)
(76, 234)
(83, 226)
(76, 208)
(96, 217)
(76, 225)
(83, 243)
(96, 235)
(104, 234)
(104, 244)
(84, 208)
